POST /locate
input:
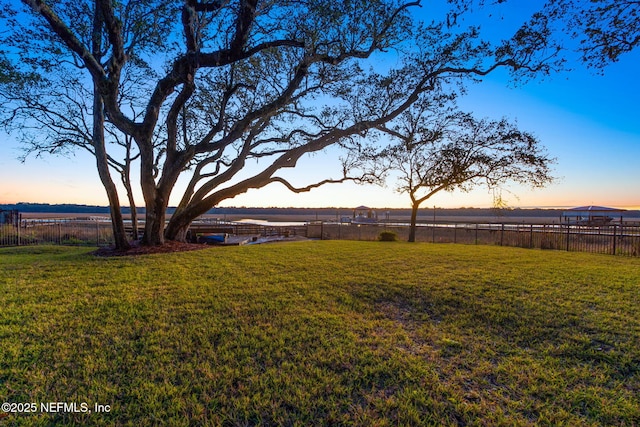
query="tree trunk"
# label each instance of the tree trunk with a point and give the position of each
(134, 213)
(126, 181)
(155, 201)
(134, 222)
(117, 223)
(102, 163)
(157, 196)
(414, 217)
(181, 221)
(177, 230)
(181, 234)
(154, 222)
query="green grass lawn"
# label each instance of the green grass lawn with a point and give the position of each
(322, 333)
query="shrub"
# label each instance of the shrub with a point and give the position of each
(388, 236)
(73, 241)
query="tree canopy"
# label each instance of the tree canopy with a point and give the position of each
(439, 148)
(605, 30)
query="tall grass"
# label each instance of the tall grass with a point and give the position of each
(322, 333)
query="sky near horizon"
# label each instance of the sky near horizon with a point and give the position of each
(590, 123)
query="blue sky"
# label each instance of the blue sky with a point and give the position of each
(589, 122)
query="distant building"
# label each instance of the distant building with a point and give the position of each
(364, 215)
(591, 215)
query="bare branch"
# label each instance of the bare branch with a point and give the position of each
(65, 33)
(312, 186)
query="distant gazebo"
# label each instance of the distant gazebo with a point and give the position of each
(591, 215)
(364, 215)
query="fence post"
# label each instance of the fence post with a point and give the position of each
(613, 252)
(568, 235)
(455, 233)
(502, 234)
(476, 233)
(97, 233)
(531, 236)
(18, 233)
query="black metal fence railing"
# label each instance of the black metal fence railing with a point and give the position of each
(56, 232)
(616, 239)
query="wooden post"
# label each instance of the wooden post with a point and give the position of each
(613, 252)
(502, 234)
(568, 235)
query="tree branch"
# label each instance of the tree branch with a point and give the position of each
(67, 36)
(311, 186)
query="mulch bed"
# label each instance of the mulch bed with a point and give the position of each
(137, 249)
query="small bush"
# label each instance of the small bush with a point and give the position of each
(73, 241)
(388, 236)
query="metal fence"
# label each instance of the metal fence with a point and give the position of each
(56, 232)
(617, 239)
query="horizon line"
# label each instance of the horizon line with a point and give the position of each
(540, 207)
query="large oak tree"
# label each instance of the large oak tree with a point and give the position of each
(227, 83)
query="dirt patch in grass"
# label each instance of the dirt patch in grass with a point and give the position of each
(138, 249)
